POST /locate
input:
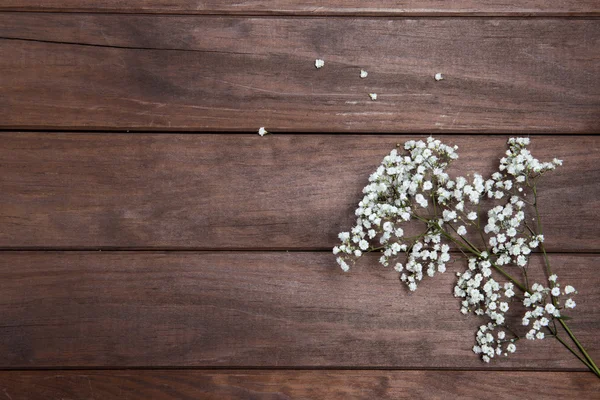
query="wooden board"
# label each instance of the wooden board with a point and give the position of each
(253, 309)
(132, 72)
(245, 384)
(169, 191)
(315, 7)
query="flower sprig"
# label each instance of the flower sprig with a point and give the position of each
(413, 188)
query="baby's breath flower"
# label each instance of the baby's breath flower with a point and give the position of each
(319, 63)
(373, 96)
(411, 186)
(539, 335)
(262, 131)
(363, 73)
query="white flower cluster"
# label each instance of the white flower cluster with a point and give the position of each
(481, 293)
(545, 302)
(414, 187)
(508, 239)
(521, 164)
(402, 185)
(489, 345)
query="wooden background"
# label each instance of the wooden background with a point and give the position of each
(152, 245)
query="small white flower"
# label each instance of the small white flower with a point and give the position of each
(550, 308)
(539, 335)
(501, 335)
(373, 96)
(343, 265)
(472, 216)
(569, 289)
(438, 76)
(570, 303)
(511, 348)
(555, 291)
(419, 198)
(364, 245)
(530, 335)
(552, 278)
(461, 230)
(319, 63)
(262, 131)
(363, 73)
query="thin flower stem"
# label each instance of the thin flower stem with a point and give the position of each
(471, 245)
(540, 232)
(591, 364)
(554, 333)
(478, 254)
(509, 277)
(511, 331)
(589, 361)
(586, 359)
(583, 360)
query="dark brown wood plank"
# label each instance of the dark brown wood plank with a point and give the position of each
(253, 309)
(315, 7)
(272, 385)
(238, 74)
(243, 191)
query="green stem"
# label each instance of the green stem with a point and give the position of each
(586, 359)
(590, 362)
(591, 365)
(471, 245)
(576, 355)
(510, 278)
(476, 252)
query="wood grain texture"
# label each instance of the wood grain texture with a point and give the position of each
(296, 385)
(102, 191)
(119, 72)
(315, 7)
(254, 309)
